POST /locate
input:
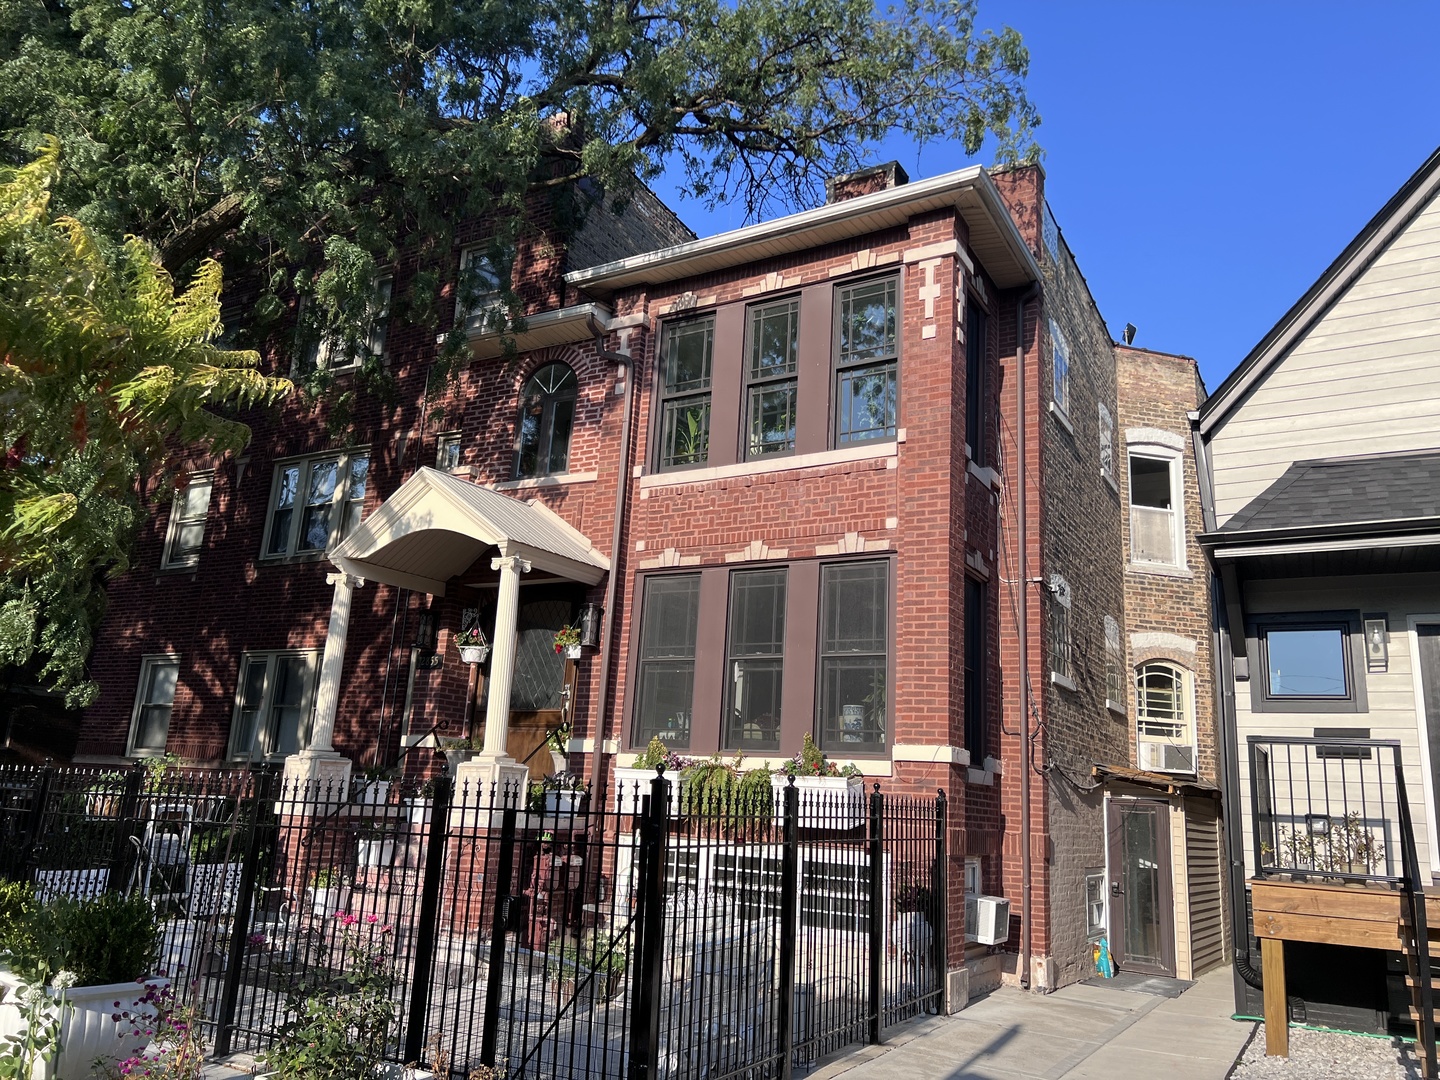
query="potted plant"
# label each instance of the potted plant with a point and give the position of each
(324, 889)
(375, 847)
(567, 641)
(372, 787)
(831, 797)
(67, 963)
(419, 805)
(558, 741)
(558, 793)
(472, 645)
(633, 782)
(457, 749)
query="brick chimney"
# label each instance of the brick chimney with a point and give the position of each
(865, 181)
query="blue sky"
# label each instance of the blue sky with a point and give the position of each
(1207, 162)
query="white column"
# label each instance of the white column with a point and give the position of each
(327, 694)
(502, 655)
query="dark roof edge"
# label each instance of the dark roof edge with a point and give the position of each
(1342, 531)
(1226, 395)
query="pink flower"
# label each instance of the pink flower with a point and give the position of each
(372, 919)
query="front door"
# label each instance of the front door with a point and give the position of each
(1142, 909)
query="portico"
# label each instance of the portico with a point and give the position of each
(433, 529)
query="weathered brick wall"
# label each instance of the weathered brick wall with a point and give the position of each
(1167, 611)
(1078, 526)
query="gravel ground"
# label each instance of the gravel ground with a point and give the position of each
(1328, 1055)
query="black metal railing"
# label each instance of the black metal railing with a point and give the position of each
(661, 932)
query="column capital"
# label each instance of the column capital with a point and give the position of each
(339, 576)
(510, 562)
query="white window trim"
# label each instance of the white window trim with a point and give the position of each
(443, 441)
(338, 501)
(307, 705)
(1061, 400)
(476, 317)
(1114, 655)
(147, 663)
(1175, 458)
(172, 531)
(1187, 700)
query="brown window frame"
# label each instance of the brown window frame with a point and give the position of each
(665, 396)
(751, 383)
(841, 367)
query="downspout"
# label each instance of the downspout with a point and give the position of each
(1229, 739)
(607, 632)
(1022, 633)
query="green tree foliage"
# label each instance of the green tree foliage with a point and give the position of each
(310, 140)
(101, 363)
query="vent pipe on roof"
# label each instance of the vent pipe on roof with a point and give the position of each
(865, 182)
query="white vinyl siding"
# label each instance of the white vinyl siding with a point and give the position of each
(1365, 369)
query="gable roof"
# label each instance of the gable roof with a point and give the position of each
(1351, 495)
(1412, 197)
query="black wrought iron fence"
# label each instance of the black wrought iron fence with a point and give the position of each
(661, 933)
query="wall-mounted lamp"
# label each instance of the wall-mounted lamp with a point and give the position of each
(590, 616)
(1377, 641)
(1317, 824)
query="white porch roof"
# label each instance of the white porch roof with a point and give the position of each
(436, 525)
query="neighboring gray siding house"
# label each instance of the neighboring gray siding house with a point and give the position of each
(1322, 523)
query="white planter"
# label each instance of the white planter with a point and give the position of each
(324, 902)
(418, 811)
(562, 802)
(826, 802)
(76, 884)
(376, 852)
(87, 1033)
(474, 654)
(558, 761)
(372, 792)
(574, 652)
(632, 785)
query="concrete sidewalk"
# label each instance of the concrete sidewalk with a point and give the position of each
(1082, 1032)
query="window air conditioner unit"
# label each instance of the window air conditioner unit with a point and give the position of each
(1167, 757)
(987, 919)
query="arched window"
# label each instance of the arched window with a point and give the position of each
(1164, 720)
(547, 415)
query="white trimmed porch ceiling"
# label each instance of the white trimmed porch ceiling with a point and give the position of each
(436, 525)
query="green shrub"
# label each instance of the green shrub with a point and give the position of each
(17, 907)
(109, 939)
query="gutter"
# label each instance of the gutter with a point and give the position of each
(1022, 635)
(1397, 527)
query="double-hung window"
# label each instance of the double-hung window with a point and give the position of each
(547, 415)
(1059, 369)
(867, 361)
(756, 661)
(273, 704)
(854, 656)
(186, 533)
(770, 378)
(484, 272)
(154, 699)
(669, 620)
(447, 451)
(333, 353)
(687, 354)
(1156, 536)
(315, 502)
(975, 416)
(1114, 666)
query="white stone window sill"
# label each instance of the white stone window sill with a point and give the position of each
(1063, 681)
(931, 753)
(871, 768)
(556, 480)
(845, 454)
(1117, 708)
(1064, 417)
(986, 475)
(1160, 570)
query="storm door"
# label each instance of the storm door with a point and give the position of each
(1142, 909)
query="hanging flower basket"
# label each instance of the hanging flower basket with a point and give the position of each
(474, 654)
(573, 652)
(567, 641)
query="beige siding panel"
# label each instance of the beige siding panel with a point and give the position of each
(1179, 891)
(1309, 405)
(1204, 868)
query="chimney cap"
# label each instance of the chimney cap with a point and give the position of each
(865, 181)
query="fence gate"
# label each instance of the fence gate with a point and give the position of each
(643, 934)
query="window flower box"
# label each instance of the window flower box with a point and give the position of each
(632, 785)
(87, 1033)
(827, 802)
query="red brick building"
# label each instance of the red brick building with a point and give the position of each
(848, 473)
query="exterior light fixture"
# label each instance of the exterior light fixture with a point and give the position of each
(1377, 639)
(589, 622)
(1317, 824)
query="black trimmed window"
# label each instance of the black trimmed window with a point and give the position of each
(547, 417)
(687, 355)
(315, 502)
(1311, 661)
(867, 361)
(975, 426)
(755, 664)
(770, 378)
(665, 684)
(976, 689)
(854, 656)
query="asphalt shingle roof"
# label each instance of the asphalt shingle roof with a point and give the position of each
(1339, 491)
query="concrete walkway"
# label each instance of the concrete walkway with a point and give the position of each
(1078, 1033)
